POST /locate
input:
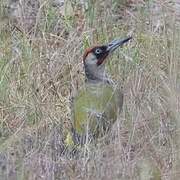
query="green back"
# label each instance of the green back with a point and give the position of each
(93, 101)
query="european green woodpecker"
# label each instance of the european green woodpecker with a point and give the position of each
(96, 106)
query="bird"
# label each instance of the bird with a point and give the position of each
(96, 106)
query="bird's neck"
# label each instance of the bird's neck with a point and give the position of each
(97, 76)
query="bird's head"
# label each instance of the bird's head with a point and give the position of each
(94, 58)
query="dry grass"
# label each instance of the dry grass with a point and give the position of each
(41, 68)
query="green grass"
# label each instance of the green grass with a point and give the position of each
(39, 72)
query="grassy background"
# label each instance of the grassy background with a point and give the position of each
(41, 47)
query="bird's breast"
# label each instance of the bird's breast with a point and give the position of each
(92, 103)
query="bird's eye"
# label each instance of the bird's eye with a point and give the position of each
(98, 51)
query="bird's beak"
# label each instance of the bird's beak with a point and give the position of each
(116, 43)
